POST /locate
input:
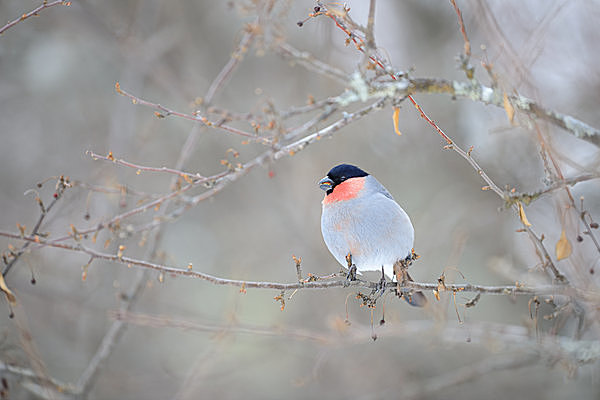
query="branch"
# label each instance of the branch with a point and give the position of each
(196, 117)
(111, 337)
(488, 95)
(16, 372)
(61, 185)
(576, 352)
(234, 60)
(188, 177)
(33, 12)
(408, 286)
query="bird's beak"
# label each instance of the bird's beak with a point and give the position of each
(326, 184)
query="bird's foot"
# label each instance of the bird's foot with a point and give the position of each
(381, 285)
(351, 273)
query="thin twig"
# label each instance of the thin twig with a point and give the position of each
(234, 60)
(45, 4)
(195, 118)
(462, 29)
(38, 224)
(189, 177)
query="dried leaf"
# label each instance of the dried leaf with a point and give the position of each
(522, 215)
(508, 107)
(395, 118)
(9, 294)
(563, 247)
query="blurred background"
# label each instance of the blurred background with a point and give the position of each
(185, 338)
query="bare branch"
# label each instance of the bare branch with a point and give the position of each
(45, 4)
(124, 260)
(488, 95)
(195, 118)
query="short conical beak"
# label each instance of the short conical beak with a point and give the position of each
(326, 184)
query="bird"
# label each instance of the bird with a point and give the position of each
(365, 228)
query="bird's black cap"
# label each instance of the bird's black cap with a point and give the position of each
(339, 174)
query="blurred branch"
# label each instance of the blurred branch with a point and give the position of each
(408, 286)
(111, 337)
(165, 321)
(473, 371)
(370, 35)
(45, 4)
(20, 373)
(548, 347)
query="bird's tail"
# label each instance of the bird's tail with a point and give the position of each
(416, 299)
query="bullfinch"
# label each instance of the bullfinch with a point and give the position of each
(363, 226)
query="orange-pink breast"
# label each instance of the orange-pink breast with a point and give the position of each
(345, 191)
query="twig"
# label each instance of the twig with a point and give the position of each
(195, 118)
(45, 4)
(305, 59)
(234, 60)
(462, 29)
(197, 178)
(38, 224)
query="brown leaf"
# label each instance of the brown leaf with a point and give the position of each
(563, 247)
(508, 107)
(522, 215)
(395, 118)
(9, 294)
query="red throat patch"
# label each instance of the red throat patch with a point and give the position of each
(346, 190)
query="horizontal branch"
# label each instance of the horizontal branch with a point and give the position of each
(165, 269)
(577, 352)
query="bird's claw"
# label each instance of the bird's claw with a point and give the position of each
(351, 273)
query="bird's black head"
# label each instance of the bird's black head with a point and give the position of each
(339, 174)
